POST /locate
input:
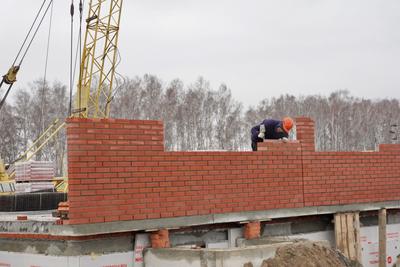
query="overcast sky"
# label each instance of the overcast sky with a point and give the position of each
(259, 48)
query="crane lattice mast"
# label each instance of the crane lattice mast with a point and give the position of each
(99, 59)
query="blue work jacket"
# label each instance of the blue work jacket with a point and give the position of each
(270, 131)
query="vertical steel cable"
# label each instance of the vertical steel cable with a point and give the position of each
(36, 31)
(48, 41)
(29, 32)
(46, 64)
(78, 51)
(27, 48)
(72, 11)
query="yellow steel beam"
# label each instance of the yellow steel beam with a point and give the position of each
(99, 59)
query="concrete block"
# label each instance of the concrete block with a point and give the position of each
(142, 241)
(222, 244)
(233, 235)
(209, 257)
(277, 229)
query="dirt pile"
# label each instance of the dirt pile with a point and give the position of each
(308, 254)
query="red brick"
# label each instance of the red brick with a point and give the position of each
(128, 176)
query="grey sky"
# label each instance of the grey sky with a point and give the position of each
(259, 48)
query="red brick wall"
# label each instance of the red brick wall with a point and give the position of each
(332, 178)
(305, 132)
(118, 170)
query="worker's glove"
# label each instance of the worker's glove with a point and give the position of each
(262, 132)
(285, 140)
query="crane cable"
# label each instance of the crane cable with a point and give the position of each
(45, 66)
(79, 44)
(36, 31)
(29, 32)
(78, 52)
(48, 42)
(72, 12)
(28, 47)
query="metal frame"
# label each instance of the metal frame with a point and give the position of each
(39, 143)
(99, 59)
(50, 132)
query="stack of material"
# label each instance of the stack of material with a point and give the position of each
(34, 171)
(34, 187)
(23, 188)
(33, 176)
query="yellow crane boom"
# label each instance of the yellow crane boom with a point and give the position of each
(99, 59)
(97, 72)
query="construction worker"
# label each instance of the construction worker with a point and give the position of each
(271, 129)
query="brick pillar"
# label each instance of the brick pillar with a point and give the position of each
(389, 147)
(305, 130)
(101, 156)
(252, 230)
(160, 239)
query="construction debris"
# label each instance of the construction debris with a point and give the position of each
(62, 211)
(308, 254)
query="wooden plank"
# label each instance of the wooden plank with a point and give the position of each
(345, 244)
(357, 236)
(347, 234)
(351, 236)
(382, 238)
(338, 232)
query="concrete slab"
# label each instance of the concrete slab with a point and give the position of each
(124, 226)
(222, 244)
(39, 222)
(198, 237)
(68, 248)
(38, 216)
(48, 226)
(242, 242)
(9, 259)
(236, 257)
(129, 226)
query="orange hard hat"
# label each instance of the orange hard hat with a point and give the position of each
(287, 124)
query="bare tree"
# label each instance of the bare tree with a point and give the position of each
(198, 117)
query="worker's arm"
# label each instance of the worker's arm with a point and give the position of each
(283, 136)
(255, 131)
(258, 132)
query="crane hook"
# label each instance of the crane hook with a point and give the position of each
(11, 76)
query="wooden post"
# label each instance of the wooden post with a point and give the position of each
(357, 236)
(351, 239)
(338, 233)
(347, 235)
(382, 238)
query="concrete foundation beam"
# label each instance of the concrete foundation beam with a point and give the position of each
(237, 257)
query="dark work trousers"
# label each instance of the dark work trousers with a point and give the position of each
(254, 137)
(254, 143)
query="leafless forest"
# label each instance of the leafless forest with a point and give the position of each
(198, 117)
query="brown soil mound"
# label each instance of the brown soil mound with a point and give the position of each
(308, 254)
